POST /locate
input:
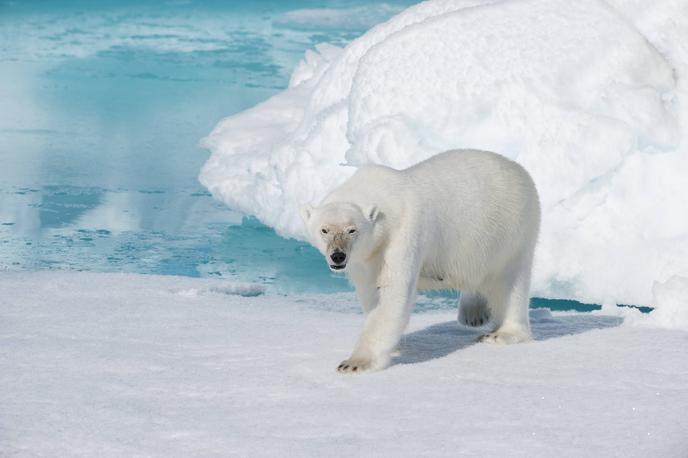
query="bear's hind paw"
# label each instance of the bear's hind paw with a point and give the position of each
(504, 337)
(474, 313)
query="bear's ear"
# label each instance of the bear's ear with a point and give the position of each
(372, 213)
(306, 211)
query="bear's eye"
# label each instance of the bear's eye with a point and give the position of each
(351, 231)
(323, 230)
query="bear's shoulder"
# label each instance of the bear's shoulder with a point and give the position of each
(371, 185)
(370, 178)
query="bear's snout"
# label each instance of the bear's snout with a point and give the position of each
(338, 257)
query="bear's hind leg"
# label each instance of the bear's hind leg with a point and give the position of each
(508, 303)
(473, 310)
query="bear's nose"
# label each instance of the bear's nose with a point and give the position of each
(338, 257)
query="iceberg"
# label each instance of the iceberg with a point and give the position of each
(589, 96)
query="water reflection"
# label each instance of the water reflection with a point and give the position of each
(102, 109)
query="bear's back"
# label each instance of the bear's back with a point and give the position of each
(474, 177)
(457, 186)
(488, 196)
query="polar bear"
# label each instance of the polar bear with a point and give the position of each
(466, 220)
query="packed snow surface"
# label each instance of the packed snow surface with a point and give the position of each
(590, 96)
(134, 365)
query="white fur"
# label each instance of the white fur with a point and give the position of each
(465, 220)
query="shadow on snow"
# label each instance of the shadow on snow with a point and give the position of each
(442, 339)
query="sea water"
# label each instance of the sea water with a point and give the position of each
(102, 107)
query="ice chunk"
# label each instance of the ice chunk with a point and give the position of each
(353, 19)
(229, 289)
(671, 303)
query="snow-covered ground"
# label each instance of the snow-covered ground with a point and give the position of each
(591, 96)
(133, 365)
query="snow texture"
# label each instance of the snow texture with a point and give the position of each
(124, 365)
(590, 96)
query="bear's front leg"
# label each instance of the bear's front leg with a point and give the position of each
(385, 323)
(364, 278)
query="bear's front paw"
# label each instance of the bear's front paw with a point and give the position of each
(353, 364)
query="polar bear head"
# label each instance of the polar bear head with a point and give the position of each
(342, 231)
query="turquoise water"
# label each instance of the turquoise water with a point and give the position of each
(101, 111)
(101, 114)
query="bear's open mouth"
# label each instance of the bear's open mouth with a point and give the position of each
(339, 267)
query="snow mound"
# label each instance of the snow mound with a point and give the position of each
(590, 98)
